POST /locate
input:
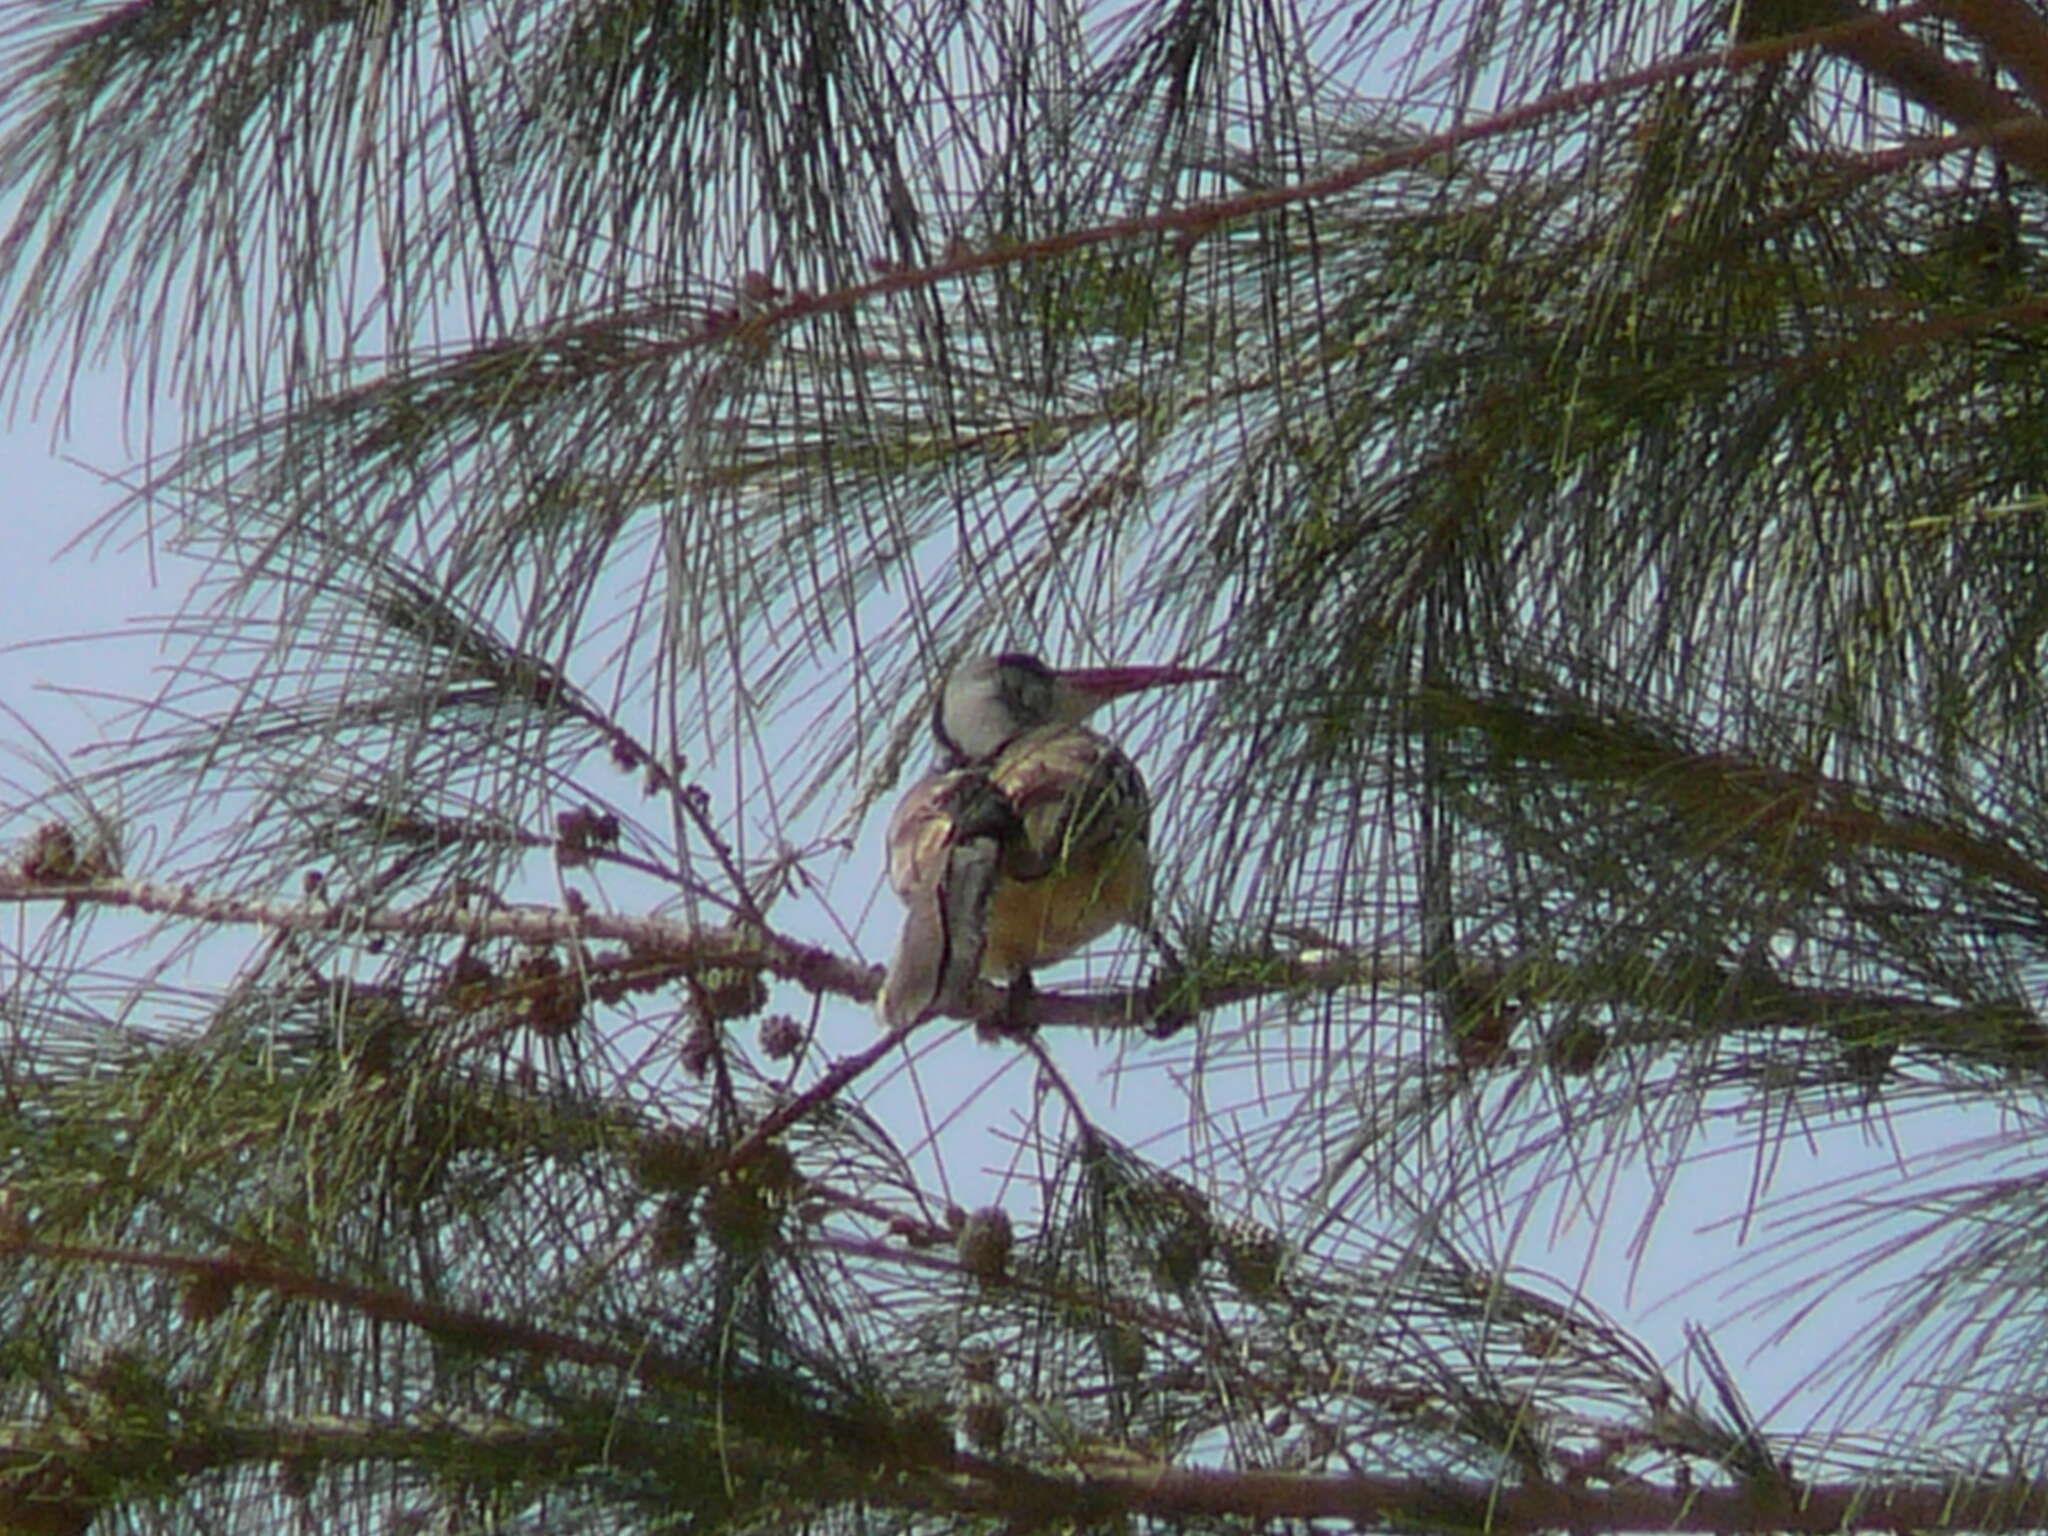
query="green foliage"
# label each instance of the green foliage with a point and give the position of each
(1604, 441)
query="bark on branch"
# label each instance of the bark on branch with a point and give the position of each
(1032, 1496)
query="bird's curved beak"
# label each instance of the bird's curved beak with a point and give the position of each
(1088, 688)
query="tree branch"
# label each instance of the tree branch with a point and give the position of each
(1107, 1485)
(2015, 33)
(1977, 1504)
(687, 946)
(665, 949)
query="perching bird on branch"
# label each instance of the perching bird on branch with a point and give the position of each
(1027, 841)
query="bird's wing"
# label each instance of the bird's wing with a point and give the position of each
(1075, 795)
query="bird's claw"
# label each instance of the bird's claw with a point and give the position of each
(1168, 1003)
(1016, 1018)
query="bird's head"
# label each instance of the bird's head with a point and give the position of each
(989, 701)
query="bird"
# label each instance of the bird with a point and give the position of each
(1027, 840)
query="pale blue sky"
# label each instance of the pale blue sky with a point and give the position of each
(51, 496)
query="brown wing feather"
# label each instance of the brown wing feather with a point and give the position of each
(1071, 821)
(1081, 866)
(1075, 792)
(919, 832)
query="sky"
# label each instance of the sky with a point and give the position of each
(54, 492)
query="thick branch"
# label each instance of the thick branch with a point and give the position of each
(2016, 35)
(1923, 75)
(1976, 1504)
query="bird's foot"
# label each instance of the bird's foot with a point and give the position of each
(1015, 1019)
(1169, 1002)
